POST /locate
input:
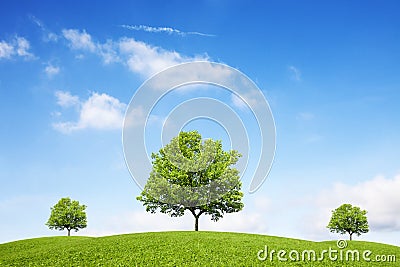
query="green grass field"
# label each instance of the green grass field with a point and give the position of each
(178, 249)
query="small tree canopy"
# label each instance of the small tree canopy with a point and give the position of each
(194, 175)
(349, 219)
(67, 214)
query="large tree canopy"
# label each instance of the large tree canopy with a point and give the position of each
(67, 214)
(348, 219)
(194, 175)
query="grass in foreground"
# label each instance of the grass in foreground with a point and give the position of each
(178, 249)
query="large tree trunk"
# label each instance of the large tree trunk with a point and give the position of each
(69, 232)
(351, 238)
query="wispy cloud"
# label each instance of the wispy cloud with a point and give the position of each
(99, 111)
(18, 46)
(47, 35)
(295, 73)
(305, 116)
(65, 99)
(238, 102)
(51, 70)
(167, 30)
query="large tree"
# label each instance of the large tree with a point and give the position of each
(193, 175)
(349, 219)
(67, 214)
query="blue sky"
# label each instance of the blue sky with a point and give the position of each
(329, 70)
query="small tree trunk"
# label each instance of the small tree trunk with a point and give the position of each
(69, 232)
(196, 217)
(196, 223)
(351, 238)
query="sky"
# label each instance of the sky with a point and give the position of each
(328, 69)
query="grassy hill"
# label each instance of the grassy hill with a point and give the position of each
(179, 249)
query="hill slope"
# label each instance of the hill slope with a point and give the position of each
(179, 249)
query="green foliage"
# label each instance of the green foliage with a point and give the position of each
(174, 249)
(192, 175)
(348, 219)
(67, 214)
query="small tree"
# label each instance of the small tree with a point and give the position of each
(189, 174)
(67, 214)
(349, 219)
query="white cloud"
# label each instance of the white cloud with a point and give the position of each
(80, 56)
(22, 47)
(296, 74)
(135, 117)
(379, 196)
(238, 102)
(56, 114)
(218, 75)
(65, 99)
(51, 70)
(139, 57)
(148, 60)
(251, 98)
(108, 52)
(19, 46)
(6, 50)
(102, 111)
(99, 111)
(79, 40)
(167, 30)
(51, 36)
